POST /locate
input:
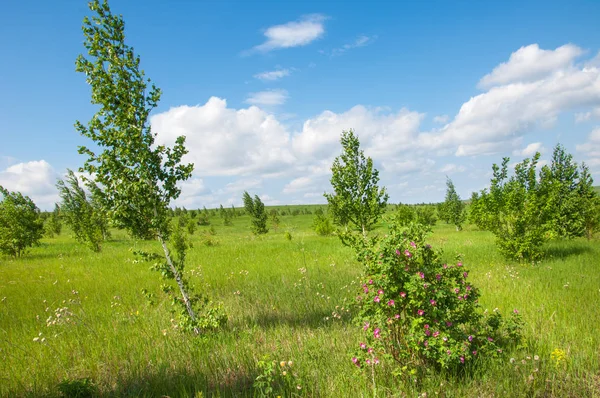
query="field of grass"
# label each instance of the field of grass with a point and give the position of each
(67, 313)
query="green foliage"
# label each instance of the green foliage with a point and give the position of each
(53, 224)
(20, 223)
(274, 214)
(322, 223)
(85, 216)
(417, 312)
(256, 208)
(276, 379)
(356, 197)
(191, 226)
(514, 210)
(425, 215)
(406, 214)
(78, 388)
(589, 202)
(453, 208)
(566, 194)
(139, 178)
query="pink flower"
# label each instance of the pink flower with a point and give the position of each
(397, 252)
(355, 360)
(425, 285)
(490, 339)
(475, 352)
(460, 297)
(390, 303)
(402, 294)
(366, 326)
(376, 333)
(425, 343)
(465, 274)
(407, 253)
(438, 277)
(368, 361)
(445, 266)
(363, 346)
(516, 311)
(426, 326)
(432, 302)
(376, 361)
(422, 275)
(370, 281)
(397, 316)
(380, 292)
(448, 324)
(376, 299)
(462, 359)
(420, 312)
(468, 288)
(436, 333)
(448, 352)
(445, 338)
(456, 290)
(370, 350)
(428, 332)
(459, 264)
(366, 290)
(470, 338)
(413, 244)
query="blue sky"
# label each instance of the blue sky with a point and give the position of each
(262, 90)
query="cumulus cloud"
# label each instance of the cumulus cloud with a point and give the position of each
(491, 120)
(36, 179)
(452, 168)
(268, 98)
(441, 119)
(273, 74)
(531, 63)
(530, 150)
(293, 34)
(591, 148)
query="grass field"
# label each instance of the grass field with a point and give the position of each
(287, 300)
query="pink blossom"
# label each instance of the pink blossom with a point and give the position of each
(425, 285)
(422, 275)
(448, 324)
(470, 338)
(355, 360)
(390, 303)
(397, 252)
(425, 343)
(428, 332)
(407, 253)
(445, 338)
(363, 345)
(432, 302)
(366, 326)
(370, 281)
(426, 326)
(490, 339)
(468, 288)
(370, 350)
(436, 333)
(516, 311)
(465, 274)
(462, 359)
(376, 299)
(402, 294)
(456, 290)
(413, 244)
(420, 312)
(475, 352)
(376, 361)
(376, 333)
(368, 361)
(438, 277)
(380, 292)
(366, 290)
(445, 266)
(397, 316)
(448, 352)
(460, 297)
(459, 264)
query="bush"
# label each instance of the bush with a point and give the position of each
(20, 223)
(417, 312)
(322, 224)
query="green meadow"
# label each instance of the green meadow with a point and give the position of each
(67, 313)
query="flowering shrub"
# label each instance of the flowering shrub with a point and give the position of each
(416, 311)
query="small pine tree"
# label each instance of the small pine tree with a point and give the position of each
(256, 208)
(454, 207)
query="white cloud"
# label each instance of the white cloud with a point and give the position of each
(591, 148)
(225, 141)
(442, 119)
(530, 150)
(273, 75)
(360, 41)
(268, 98)
(493, 120)
(293, 34)
(36, 179)
(452, 168)
(583, 117)
(531, 63)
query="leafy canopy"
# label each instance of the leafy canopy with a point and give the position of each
(20, 223)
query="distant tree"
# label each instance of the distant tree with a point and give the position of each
(20, 224)
(322, 224)
(356, 197)
(191, 226)
(425, 215)
(589, 206)
(53, 225)
(404, 214)
(256, 209)
(454, 207)
(274, 215)
(83, 213)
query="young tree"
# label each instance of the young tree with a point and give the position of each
(139, 178)
(20, 223)
(589, 202)
(53, 225)
(454, 207)
(356, 197)
(256, 209)
(85, 217)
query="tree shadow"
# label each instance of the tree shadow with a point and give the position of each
(563, 251)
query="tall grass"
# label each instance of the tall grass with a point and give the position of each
(286, 299)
